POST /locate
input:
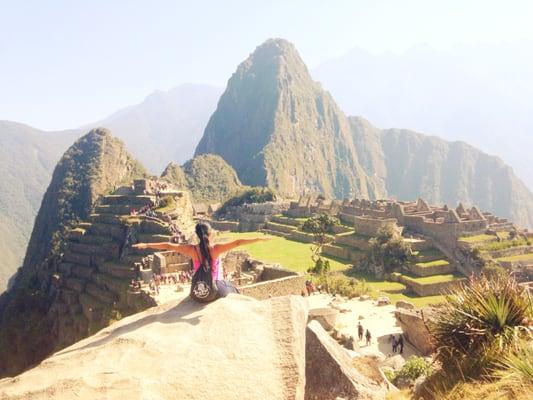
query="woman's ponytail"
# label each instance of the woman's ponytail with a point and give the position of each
(202, 231)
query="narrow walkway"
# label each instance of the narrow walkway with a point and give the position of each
(380, 320)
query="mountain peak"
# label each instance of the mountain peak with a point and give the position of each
(291, 129)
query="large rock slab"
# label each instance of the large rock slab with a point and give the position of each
(236, 347)
(331, 373)
(415, 330)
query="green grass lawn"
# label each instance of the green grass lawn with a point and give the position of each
(293, 255)
(483, 237)
(297, 257)
(520, 257)
(505, 244)
(432, 263)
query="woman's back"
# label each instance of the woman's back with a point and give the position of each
(216, 268)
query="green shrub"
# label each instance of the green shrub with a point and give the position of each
(342, 285)
(517, 366)
(388, 249)
(413, 368)
(320, 224)
(480, 323)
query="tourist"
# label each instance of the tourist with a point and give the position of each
(205, 253)
(368, 337)
(360, 331)
(394, 343)
(400, 343)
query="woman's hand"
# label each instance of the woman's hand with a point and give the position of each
(140, 246)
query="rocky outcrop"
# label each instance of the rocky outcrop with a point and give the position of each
(331, 373)
(236, 347)
(95, 164)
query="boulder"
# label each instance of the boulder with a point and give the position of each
(235, 347)
(331, 373)
(395, 362)
(405, 304)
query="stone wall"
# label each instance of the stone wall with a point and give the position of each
(278, 287)
(431, 270)
(169, 262)
(415, 330)
(332, 374)
(272, 272)
(512, 251)
(236, 260)
(430, 289)
(370, 226)
(359, 242)
(232, 226)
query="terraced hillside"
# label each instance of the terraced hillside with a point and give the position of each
(429, 274)
(91, 279)
(506, 247)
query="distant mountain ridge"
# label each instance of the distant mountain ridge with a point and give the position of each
(166, 126)
(478, 93)
(27, 159)
(413, 165)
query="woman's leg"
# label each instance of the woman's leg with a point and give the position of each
(225, 288)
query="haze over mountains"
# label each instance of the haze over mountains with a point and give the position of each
(478, 93)
(277, 127)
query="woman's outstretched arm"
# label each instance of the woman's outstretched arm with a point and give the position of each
(225, 247)
(186, 249)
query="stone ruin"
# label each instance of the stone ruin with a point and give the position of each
(249, 217)
(439, 222)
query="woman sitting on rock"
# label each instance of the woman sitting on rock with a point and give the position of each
(205, 253)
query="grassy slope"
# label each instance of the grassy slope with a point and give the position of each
(296, 256)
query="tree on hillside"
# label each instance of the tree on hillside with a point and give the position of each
(320, 226)
(388, 250)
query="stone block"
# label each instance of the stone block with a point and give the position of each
(415, 330)
(330, 372)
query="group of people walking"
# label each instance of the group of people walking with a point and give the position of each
(397, 343)
(361, 331)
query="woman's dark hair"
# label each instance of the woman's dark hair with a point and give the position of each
(202, 231)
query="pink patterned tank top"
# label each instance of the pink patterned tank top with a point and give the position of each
(216, 269)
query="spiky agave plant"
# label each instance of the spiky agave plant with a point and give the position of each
(517, 366)
(480, 322)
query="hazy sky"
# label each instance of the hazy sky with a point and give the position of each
(66, 63)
